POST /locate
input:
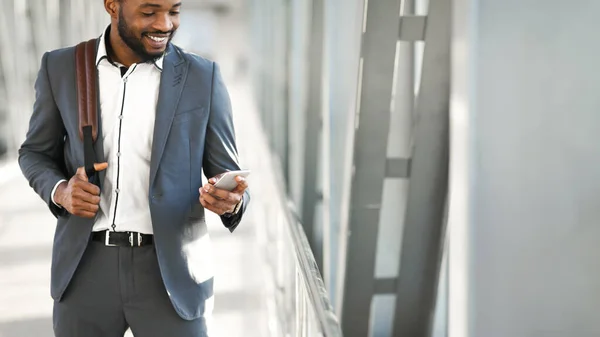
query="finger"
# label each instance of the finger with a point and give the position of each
(241, 186)
(205, 204)
(100, 166)
(80, 174)
(218, 193)
(210, 189)
(87, 197)
(209, 207)
(205, 188)
(218, 206)
(216, 203)
(214, 179)
(87, 207)
(88, 187)
(83, 206)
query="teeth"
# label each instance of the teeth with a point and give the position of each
(157, 39)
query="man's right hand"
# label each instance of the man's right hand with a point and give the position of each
(78, 196)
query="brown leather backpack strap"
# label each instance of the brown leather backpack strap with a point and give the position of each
(85, 59)
(85, 63)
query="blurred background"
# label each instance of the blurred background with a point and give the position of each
(421, 168)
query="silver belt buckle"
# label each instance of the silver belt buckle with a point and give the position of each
(139, 240)
(107, 239)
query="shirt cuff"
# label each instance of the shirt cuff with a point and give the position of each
(238, 206)
(54, 191)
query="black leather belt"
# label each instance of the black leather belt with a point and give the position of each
(123, 239)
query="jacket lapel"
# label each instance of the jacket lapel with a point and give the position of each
(172, 79)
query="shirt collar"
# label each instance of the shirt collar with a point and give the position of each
(104, 45)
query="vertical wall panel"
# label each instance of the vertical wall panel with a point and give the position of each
(342, 41)
(524, 217)
(28, 28)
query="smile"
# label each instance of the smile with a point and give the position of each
(157, 38)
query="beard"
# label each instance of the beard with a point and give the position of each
(135, 43)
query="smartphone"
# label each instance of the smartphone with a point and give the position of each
(227, 180)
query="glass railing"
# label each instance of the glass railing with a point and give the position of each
(298, 302)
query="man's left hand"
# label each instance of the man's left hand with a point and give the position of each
(222, 201)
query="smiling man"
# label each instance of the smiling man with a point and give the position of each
(131, 246)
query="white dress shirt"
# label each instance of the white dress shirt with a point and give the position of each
(128, 100)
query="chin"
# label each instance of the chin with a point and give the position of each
(156, 54)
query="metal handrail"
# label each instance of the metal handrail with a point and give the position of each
(312, 277)
(313, 312)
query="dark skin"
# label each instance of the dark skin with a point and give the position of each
(142, 18)
(222, 201)
(78, 196)
(140, 32)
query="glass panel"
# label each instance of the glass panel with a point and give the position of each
(382, 315)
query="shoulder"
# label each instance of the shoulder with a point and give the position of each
(59, 59)
(62, 51)
(65, 55)
(62, 54)
(58, 63)
(196, 62)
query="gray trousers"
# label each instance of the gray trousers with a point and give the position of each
(115, 288)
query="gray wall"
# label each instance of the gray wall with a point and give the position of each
(525, 189)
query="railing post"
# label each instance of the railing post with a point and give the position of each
(372, 124)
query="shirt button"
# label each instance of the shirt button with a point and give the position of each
(125, 80)
(120, 116)
(117, 191)
(118, 154)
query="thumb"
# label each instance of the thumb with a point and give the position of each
(241, 186)
(81, 170)
(80, 174)
(100, 167)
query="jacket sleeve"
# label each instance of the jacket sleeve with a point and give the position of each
(220, 152)
(41, 155)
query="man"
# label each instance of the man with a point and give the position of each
(132, 250)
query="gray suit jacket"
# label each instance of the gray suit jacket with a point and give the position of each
(193, 131)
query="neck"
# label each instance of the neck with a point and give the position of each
(119, 51)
